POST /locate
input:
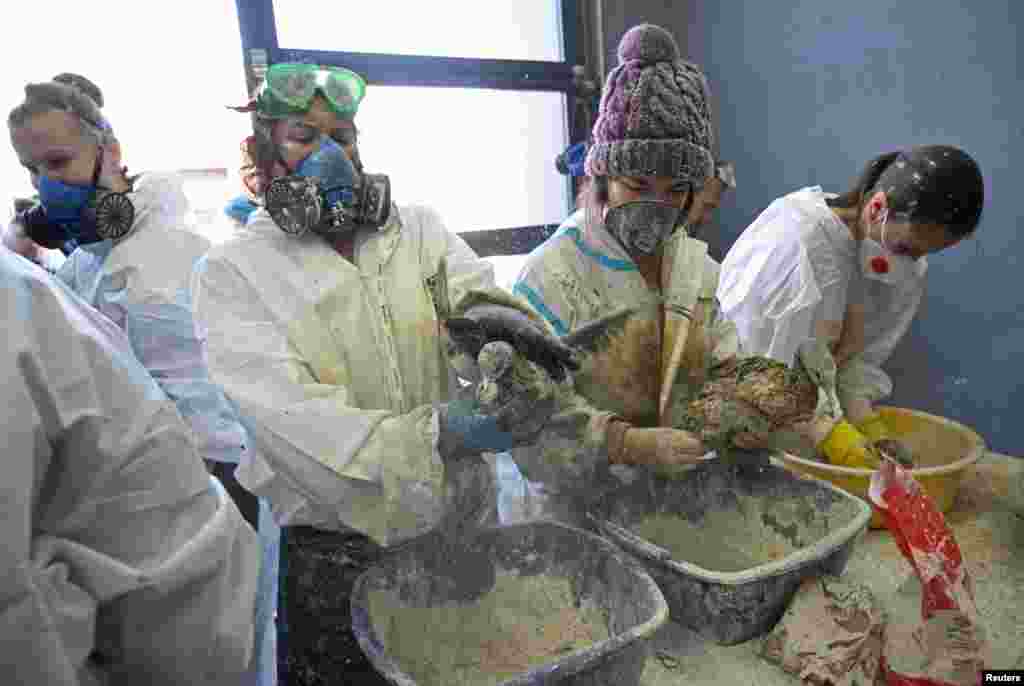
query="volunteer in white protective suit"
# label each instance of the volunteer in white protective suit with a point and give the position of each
(123, 561)
(650, 156)
(133, 262)
(650, 151)
(850, 269)
(49, 250)
(324, 331)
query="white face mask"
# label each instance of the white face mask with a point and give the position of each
(881, 264)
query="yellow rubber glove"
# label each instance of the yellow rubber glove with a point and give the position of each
(874, 428)
(845, 446)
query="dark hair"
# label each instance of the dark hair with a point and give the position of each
(595, 195)
(597, 191)
(930, 184)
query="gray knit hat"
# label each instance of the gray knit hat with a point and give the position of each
(654, 119)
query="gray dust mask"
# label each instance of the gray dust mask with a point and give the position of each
(642, 225)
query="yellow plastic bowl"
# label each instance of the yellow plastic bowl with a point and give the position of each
(943, 448)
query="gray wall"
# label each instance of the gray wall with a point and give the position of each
(808, 91)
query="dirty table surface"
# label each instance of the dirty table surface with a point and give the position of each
(991, 539)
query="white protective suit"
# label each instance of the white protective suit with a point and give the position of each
(141, 283)
(116, 542)
(337, 367)
(798, 265)
(580, 274)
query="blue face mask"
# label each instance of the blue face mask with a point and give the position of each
(331, 166)
(65, 203)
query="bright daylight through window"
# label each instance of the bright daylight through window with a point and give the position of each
(482, 158)
(165, 82)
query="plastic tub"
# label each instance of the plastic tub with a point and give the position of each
(597, 570)
(744, 541)
(943, 448)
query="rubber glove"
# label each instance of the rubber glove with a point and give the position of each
(466, 431)
(240, 208)
(873, 427)
(845, 446)
(655, 447)
(514, 401)
(876, 431)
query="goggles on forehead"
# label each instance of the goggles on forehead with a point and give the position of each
(289, 88)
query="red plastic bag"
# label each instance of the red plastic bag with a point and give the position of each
(950, 639)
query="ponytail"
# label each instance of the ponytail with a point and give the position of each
(854, 198)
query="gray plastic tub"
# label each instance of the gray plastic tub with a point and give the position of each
(598, 571)
(745, 539)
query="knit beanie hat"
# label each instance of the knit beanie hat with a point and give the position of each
(654, 118)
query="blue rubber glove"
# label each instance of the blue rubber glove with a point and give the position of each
(464, 431)
(240, 208)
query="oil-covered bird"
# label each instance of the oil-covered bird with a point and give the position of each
(489, 324)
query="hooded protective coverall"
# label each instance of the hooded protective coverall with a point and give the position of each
(124, 562)
(141, 283)
(336, 367)
(578, 275)
(798, 265)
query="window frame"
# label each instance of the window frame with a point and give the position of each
(260, 49)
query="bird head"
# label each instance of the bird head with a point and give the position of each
(467, 335)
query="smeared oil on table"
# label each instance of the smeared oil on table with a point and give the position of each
(991, 538)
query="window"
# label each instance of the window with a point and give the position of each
(524, 30)
(166, 72)
(466, 107)
(482, 158)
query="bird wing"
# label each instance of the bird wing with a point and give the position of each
(595, 336)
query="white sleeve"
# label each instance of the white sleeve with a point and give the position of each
(818, 289)
(862, 376)
(780, 291)
(466, 271)
(722, 333)
(117, 541)
(318, 458)
(537, 285)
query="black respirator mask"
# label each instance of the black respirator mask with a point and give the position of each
(326, 197)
